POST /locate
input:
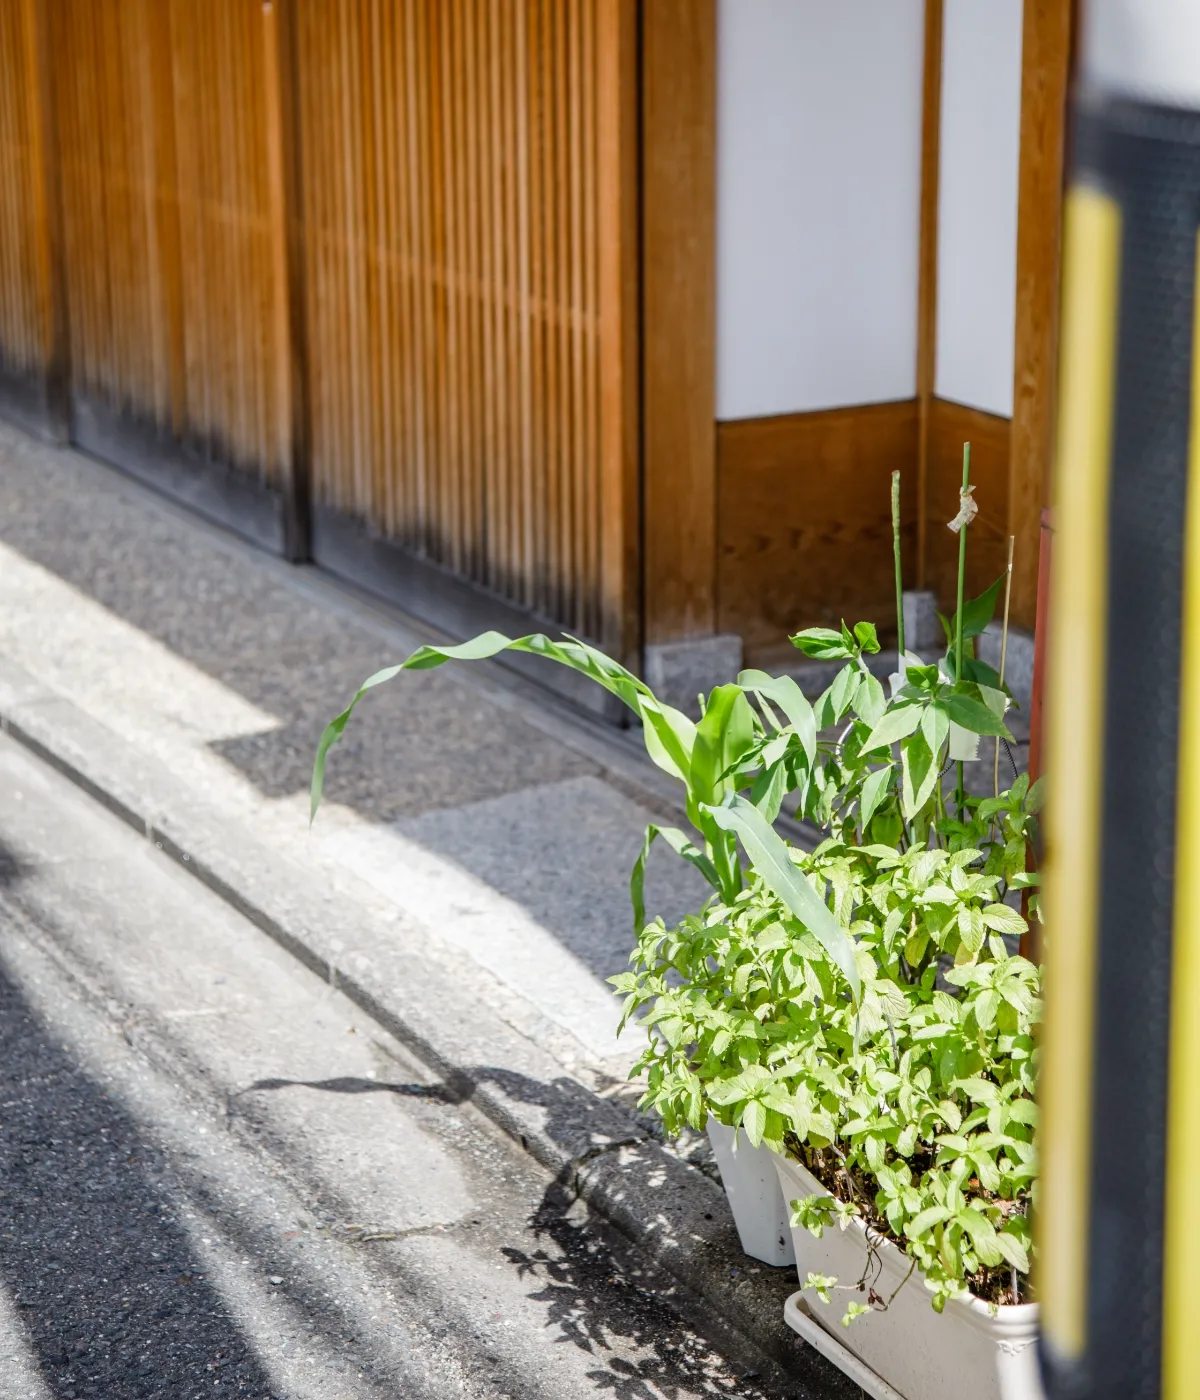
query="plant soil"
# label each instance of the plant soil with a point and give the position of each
(852, 1184)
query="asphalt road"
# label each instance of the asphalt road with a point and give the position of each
(218, 1178)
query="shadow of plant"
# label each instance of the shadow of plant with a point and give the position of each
(596, 1298)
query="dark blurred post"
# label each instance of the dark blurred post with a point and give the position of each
(1121, 1073)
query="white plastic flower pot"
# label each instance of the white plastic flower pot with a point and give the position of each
(970, 1349)
(752, 1186)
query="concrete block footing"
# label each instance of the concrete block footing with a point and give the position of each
(678, 672)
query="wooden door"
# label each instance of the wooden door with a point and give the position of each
(172, 281)
(469, 209)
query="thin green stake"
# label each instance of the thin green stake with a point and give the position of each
(899, 580)
(960, 792)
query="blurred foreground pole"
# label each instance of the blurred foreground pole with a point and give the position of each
(1119, 1213)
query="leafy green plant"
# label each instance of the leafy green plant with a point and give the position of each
(914, 1107)
(856, 1005)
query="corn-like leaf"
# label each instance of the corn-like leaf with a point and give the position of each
(783, 692)
(721, 738)
(671, 731)
(772, 861)
(683, 847)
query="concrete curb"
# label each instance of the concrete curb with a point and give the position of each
(430, 997)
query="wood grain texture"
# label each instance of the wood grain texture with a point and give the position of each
(927, 289)
(1045, 71)
(168, 253)
(805, 521)
(469, 208)
(613, 247)
(951, 425)
(33, 339)
(679, 44)
(289, 342)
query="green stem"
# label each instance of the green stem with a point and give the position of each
(960, 795)
(899, 579)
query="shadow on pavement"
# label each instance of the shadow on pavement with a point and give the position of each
(102, 1275)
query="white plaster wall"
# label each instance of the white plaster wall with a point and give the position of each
(818, 202)
(977, 202)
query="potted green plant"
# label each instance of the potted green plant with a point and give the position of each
(709, 757)
(855, 1009)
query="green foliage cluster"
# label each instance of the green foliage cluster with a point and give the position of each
(857, 1004)
(914, 1105)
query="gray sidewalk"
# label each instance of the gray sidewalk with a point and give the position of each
(470, 800)
(218, 1177)
(466, 882)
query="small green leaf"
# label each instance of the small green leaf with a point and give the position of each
(1003, 919)
(897, 723)
(974, 715)
(924, 1222)
(866, 636)
(772, 861)
(1013, 1250)
(821, 643)
(874, 790)
(754, 1121)
(821, 1284)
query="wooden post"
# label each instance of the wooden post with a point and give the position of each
(1045, 73)
(289, 322)
(931, 132)
(48, 242)
(679, 44)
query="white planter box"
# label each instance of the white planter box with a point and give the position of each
(752, 1186)
(968, 1350)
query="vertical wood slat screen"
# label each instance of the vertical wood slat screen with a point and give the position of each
(24, 329)
(452, 186)
(172, 283)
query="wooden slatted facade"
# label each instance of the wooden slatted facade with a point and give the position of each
(452, 193)
(425, 291)
(166, 214)
(359, 278)
(31, 339)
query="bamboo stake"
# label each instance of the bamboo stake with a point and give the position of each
(899, 580)
(1012, 539)
(960, 794)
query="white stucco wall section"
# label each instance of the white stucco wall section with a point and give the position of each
(977, 202)
(818, 202)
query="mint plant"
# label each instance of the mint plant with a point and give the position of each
(857, 1005)
(913, 1107)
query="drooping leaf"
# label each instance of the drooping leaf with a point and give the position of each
(683, 847)
(783, 692)
(579, 656)
(919, 772)
(870, 701)
(935, 725)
